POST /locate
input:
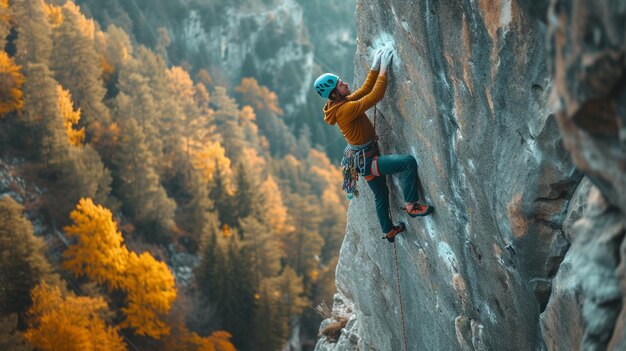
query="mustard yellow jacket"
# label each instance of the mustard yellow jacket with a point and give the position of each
(349, 114)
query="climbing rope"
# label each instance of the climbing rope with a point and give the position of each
(395, 253)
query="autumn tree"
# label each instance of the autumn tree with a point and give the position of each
(77, 67)
(143, 196)
(34, 35)
(22, 262)
(11, 80)
(227, 122)
(98, 251)
(268, 112)
(149, 287)
(68, 323)
(5, 17)
(70, 117)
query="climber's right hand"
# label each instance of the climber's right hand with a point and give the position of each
(385, 59)
(376, 60)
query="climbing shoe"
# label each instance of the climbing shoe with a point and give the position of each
(415, 209)
(391, 236)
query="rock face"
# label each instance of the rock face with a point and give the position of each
(588, 57)
(469, 98)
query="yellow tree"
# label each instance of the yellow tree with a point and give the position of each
(99, 252)
(70, 117)
(69, 323)
(149, 285)
(211, 158)
(10, 84)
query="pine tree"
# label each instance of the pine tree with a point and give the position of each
(239, 308)
(78, 68)
(34, 42)
(304, 244)
(11, 80)
(22, 262)
(227, 121)
(69, 323)
(143, 196)
(98, 252)
(202, 217)
(263, 246)
(136, 100)
(10, 336)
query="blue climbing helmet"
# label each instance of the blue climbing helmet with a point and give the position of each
(325, 83)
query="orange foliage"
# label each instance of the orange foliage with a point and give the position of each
(99, 250)
(218, 341)
(10, 85)
(100, 254)
(107, 69)
(247, 114)
(70, 117)
(54, 14)
(181, 84)
(150, 292)
(210, 158)
(260, 97)
(69, 323)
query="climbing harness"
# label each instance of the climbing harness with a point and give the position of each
(395, 253)
(354, 162)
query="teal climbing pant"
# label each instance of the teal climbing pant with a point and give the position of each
(387, 165)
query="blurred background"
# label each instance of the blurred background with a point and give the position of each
(167, 181)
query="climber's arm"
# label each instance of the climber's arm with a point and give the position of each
(353, 109)
(367, 86)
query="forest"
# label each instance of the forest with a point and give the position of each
(115, 164)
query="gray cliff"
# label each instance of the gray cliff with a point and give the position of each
(515, 111)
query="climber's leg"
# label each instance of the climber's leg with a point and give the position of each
(406, 164)
(381, 193)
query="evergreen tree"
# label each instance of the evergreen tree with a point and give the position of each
(10, 336)
(202, 217)
(304, 244)
(239, 308)
(143, 196)
(77, 67)
(22, 262)
(263, 246)
(33, 43)
(227, 121)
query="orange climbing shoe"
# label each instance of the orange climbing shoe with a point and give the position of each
(391, 236)
(415, 209)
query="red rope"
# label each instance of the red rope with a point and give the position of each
(395, 252)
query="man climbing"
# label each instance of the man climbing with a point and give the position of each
(362, 155)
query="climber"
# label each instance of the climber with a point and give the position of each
(362, 155)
